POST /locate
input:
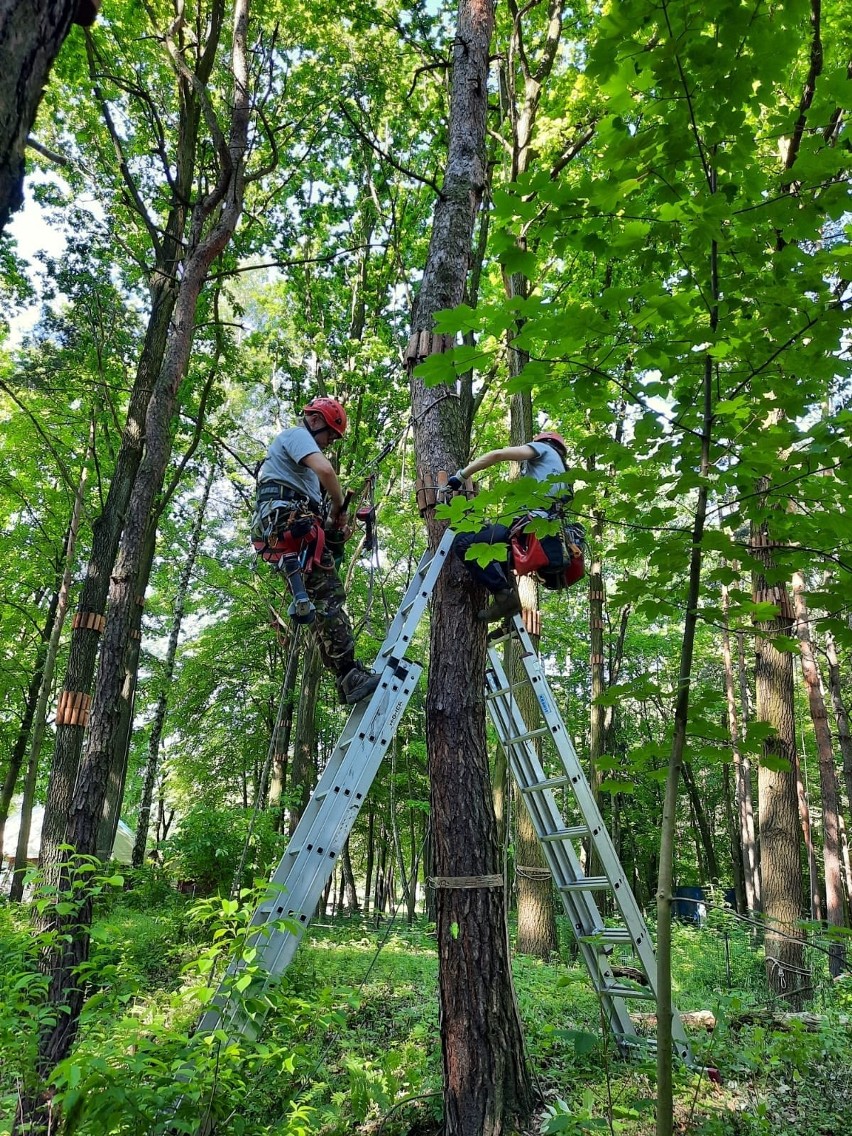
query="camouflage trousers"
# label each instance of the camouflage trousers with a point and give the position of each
(332, 628)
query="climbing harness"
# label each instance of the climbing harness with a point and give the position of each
(287, 532)
(528, 555)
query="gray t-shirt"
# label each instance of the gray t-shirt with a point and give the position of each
(546, 464)
(282, 463)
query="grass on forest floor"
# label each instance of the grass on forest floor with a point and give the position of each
(354, 1045)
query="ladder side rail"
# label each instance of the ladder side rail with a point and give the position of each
(344, 777)
(599, 834)
(326, 828)
(563, 861)
(600, 837)
(417, 595)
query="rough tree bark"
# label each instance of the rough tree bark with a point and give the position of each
(486, 1082)
(780, 831)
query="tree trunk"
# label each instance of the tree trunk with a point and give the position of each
(742, 774)
(780, 830)
(486, 1083)
(30, 38)
(349, 889)
(63, 595)
(834, 908)
(168, 674)
(303, 775)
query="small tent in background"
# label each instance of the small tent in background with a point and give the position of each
(122, 849)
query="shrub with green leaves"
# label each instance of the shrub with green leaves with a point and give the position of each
(209, 844)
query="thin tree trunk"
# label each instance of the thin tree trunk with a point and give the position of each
(815, 899)
(371, 859)
(841, 715)
(829, 790)
(702, 823)
(350, 889)
(31, 702)
(159, 719)
(304, 769)
(780, 829)
(735, 843)
(665, 877)
(62, 599)
(742, 773)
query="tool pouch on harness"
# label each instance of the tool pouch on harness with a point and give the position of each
(529, 556)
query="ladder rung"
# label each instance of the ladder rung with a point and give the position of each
(551, 783)
(572, 832)
(617, 991)
(612, 935)
(633, 1041)
(525, 737)
(501, 690)
(587, 883)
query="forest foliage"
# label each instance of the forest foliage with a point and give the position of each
(679, 221)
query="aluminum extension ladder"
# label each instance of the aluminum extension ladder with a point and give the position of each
(542, 778)
(295, 887)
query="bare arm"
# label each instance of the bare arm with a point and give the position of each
(324, 470)
(493, 457)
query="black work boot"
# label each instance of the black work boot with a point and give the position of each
(357, 684)
(506, 603)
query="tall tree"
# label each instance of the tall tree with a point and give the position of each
(213, 220)
(486, 1083)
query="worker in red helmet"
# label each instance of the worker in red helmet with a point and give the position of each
(543, 459)
(297, 484)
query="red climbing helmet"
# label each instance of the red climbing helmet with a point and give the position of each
(554, 439)
(331, 412)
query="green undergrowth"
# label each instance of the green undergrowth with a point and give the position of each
(352, 1044)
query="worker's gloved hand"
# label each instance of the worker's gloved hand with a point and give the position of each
(456, 481)
(338, 528)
